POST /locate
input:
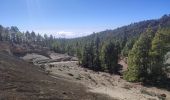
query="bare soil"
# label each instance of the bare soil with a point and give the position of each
(96, 82)
(20, 80)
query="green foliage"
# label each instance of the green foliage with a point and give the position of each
(128, 47)
(110, 57)
(138, 58)
(97, 61)
(88, 56)
(100, 51)
(79, 55)
(160, 46)
(105, 59)
(146, 60)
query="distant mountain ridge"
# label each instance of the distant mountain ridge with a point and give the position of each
(124, 35)
(135, 28)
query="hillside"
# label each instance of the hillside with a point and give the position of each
(58, 76)
(130, 62)
(97, 82)
(124, 35)
(23, 81)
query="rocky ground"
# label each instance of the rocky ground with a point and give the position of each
(66, 67)
(20, 80)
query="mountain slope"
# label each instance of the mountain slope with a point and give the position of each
(124, 36)
(22, 81)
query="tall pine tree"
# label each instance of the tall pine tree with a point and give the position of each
(110, 57)
(160, 46)
(138, 58)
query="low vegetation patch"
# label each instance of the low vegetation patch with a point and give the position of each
(127, 86)
(153, 94)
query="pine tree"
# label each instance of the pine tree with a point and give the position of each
(46, 42)
(1, 31)
(79, 55)
(158, 50)
(19, 37)
(110, 57)
(128, 47)
(88, 56)
(138, 58)
(97, 62)
(28, 37)
(39, 39)
(33, 37)
(85, 59)
(91, 55)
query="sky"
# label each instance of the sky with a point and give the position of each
(75, 18)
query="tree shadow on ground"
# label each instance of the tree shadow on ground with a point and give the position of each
(163, 84)
(119, 70)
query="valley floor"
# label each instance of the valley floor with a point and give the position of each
(20, 80)
(66, 67)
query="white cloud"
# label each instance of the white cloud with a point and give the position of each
(66, 34)
(60, 34)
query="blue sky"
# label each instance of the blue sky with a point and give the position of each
(73, 18)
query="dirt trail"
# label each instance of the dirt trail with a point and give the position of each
(100, 82)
